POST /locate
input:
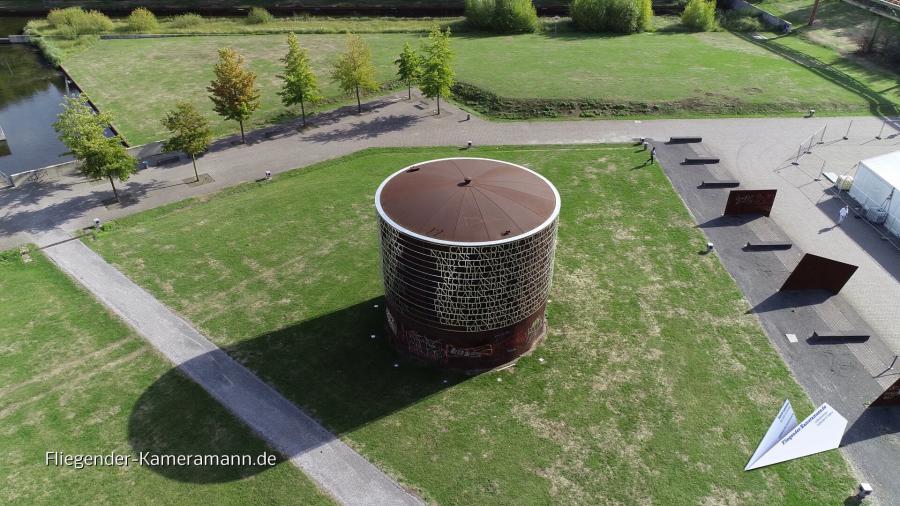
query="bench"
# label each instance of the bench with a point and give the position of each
(767, 245)
(684, 140)
(699, 160)
(167, 160)
(840, 335)
(719, 183)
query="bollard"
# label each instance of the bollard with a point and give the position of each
(883, 123)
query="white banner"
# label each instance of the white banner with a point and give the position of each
(819, 432)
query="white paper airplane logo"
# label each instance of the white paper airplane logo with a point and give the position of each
(788, 440)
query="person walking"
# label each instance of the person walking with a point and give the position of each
(843, 214)
(652, 155)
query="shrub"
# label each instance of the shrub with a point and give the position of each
(79, 20)
(66, 32)
(502, 16)
(646, 14)
(741, 21)
(259, 16)
(618, 16)
(480, 13)
(515, 16)
(141, 20)
(699, 15)
(187, 20)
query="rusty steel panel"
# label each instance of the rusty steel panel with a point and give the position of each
(890, 397)
(819, 273)
(750, 202)
(471, 351)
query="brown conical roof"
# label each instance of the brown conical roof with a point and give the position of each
(467, 200)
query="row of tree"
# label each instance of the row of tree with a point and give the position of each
(235, 96)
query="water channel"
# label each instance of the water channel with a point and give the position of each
(31, 92)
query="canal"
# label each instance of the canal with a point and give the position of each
(31, 92)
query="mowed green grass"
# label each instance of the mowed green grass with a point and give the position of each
(706, 73)
(74, 379)
(656, 385)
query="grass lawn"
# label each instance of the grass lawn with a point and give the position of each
(76, 380)
(656, 385)
(691, 74)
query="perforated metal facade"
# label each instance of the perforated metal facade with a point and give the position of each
(469, 305)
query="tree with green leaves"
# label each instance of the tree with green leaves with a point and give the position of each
(408, 67)
(437, 66)
(190, 132)
(84, 132)
(233, 92)
(300, 83)
(354, 69)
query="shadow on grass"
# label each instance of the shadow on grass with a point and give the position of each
(878, 105)
(329, 366)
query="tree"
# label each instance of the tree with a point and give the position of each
(300, 83)
(233, 92)
(354, 70)
(437, 69)
(190, 132)
(408, 67)
(84, 133)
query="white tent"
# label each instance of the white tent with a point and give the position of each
(876, 187)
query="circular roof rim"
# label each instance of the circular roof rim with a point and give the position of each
(542, 226)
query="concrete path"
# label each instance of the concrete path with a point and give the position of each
(758, 149)
(337, 469)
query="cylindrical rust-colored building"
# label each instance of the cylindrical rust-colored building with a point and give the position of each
(467, 249)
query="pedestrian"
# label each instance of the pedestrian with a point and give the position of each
(843, 214)
(652, 155)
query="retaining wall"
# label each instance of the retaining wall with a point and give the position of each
(148, 153)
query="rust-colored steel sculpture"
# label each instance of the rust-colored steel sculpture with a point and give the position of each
(819, 273)
(467, 247)
(750, 202)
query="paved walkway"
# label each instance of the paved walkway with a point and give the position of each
(338, 470)
(758, 149)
